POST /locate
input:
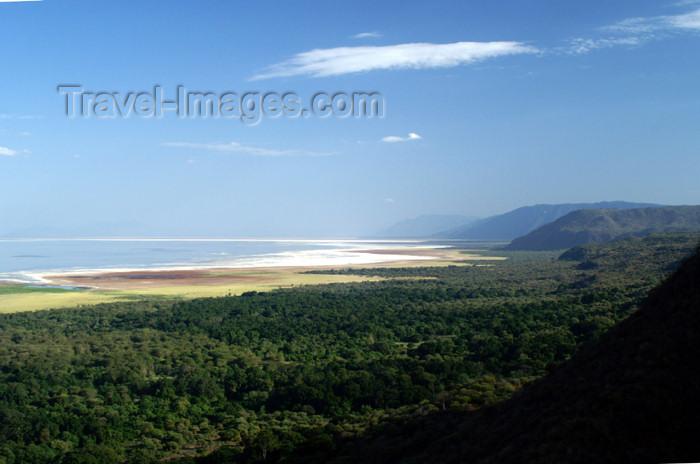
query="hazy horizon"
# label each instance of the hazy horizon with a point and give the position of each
(142, 231)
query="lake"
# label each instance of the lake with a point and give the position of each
(26, 260)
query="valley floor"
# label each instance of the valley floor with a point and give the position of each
(86, 288)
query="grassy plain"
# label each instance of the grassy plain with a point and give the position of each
(36, 300)
(16, 298)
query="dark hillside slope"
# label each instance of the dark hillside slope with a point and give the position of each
(598, 226)
(523, 220)
(632, 396)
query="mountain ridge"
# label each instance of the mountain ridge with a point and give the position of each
(525, 219)
(599, 226)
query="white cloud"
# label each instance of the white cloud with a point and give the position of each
(394, 138)
(346, 60)
(580, 46)
(4, 151)
(366, 35)
(10, 116)
(235, 147)
(685, 21)
(636, 25)
(637, 31)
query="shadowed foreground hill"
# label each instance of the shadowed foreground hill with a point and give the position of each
(598, 226)
(632, 396)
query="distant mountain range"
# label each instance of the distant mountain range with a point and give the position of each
(526, 219)
(425, 226)
(599, 225)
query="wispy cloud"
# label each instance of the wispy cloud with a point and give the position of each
(366, 35)
(25, 116)
(680, 22)
(686, 21)
(4, 151)
(687, 2)
(637, 31)
(346, 60)
(235, 147)
(394, 138)
(637, 25)
(580, 46)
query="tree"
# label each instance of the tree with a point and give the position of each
(266, 441)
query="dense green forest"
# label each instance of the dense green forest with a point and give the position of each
(296, 375)
(629, 396)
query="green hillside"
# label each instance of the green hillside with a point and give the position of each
(597, 226)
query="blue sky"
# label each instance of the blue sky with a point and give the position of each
(510, 103)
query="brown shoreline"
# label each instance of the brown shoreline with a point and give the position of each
(90, 288)
(148, 278)
(127, 280)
